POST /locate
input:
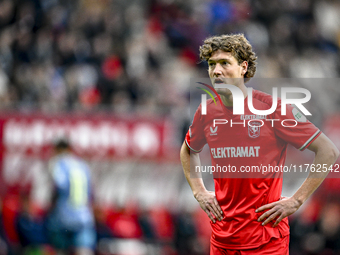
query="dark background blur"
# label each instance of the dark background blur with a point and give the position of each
(114, 76)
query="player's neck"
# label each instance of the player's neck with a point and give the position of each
(227, 100)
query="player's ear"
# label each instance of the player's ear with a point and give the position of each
(244, 66)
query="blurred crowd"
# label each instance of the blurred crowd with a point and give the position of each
(138, 56)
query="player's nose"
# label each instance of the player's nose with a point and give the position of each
(217, 70)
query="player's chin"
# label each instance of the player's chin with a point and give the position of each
(223, 92)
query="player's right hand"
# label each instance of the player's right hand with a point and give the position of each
(209, 204)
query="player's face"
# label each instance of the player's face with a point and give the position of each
(224, 68)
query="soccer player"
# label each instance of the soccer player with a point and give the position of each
(70, 224)
(248, 215)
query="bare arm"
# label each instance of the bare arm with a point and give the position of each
(206, 199)
(325, 153)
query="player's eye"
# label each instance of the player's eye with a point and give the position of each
(211, 64)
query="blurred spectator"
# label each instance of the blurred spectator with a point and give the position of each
(4, 249)
(3, 88)
(186, 238)
(30, 226)
(10, 210)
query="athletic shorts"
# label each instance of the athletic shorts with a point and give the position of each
(65, 239)
(276, 246)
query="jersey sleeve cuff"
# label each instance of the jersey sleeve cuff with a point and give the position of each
(310, 140)
(186, 142)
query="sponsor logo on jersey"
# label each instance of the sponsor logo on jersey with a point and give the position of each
(298, 115)
(213, 130)
(254, 129)
(253, 117)
(235, 152)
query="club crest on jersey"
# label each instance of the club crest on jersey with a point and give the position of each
(254, 129)
(213, 130)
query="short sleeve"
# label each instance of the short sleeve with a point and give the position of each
(195, 137)
(294, 127)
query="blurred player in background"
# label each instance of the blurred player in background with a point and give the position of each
(248, 215)
(71, 223)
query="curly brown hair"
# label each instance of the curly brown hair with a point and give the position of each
(237, 44)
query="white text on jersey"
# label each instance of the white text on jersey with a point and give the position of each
(235, 152)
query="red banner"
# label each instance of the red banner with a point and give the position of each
(26, 143)
(92, 136)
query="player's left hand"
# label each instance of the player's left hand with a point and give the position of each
(278, 210)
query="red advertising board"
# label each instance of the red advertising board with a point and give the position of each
(93, 136)
(26, 140)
